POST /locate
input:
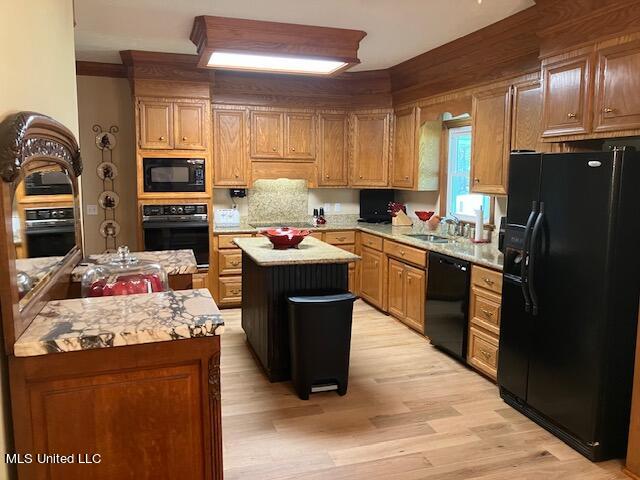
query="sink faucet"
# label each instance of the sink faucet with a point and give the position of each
(452, 219)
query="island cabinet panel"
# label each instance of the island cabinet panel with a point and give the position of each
(190, 125)
(617, 105)
(568, 86)
(490, 150)
(149, 411)
(370, 154)
(404, 160)
(372, 277)
(266, 135)
(265, 311)
(299, 136)
(333, 150)
(229, 154)
(156, 124)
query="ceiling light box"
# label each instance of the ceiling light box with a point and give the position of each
(238, 44)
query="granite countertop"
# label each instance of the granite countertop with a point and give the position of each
(37, 268)
(174, 262)
(309, 251)
(485, 254)
(102, 322)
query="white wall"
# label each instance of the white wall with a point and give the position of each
(38, 73)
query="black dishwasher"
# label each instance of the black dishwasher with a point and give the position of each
(447, 305)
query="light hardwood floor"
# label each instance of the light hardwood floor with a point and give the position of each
(410, 413)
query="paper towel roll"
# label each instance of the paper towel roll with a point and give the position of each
(479, 225)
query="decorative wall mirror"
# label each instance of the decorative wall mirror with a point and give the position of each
(41, 238)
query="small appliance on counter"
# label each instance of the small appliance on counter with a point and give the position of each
(374, 205)
(226, 217)
(124, 274)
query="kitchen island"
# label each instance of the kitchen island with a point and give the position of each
(270, 276)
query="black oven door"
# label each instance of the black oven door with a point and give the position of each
(167, 235)
(50, 241)
(174, 174)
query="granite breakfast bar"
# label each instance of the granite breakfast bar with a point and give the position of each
(269, 276)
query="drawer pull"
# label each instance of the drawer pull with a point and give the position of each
(403, 253)
(608, 110)
(235, 291)
(235, 263)
(341, 239)
(486, 312)
(572, 115)
(184, 139)
(485, 354)
(161, 138)
(488, 281)
(293, 149)
(274, 149)
(327, 175)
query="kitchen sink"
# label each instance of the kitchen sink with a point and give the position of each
(428, 238)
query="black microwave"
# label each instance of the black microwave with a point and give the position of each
(173, 174)
(47, 183)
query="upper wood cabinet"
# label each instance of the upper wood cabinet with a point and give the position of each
(190, 126)
(333, 155)
(156, 124)
(299, 136)
(404, 161)
(229, 148)
(617, 101)
(526, 120)
(370, 154)
(491, 131)
(568, 86)
(266, 135)
(172, 124)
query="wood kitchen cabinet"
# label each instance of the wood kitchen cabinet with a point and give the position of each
(333, 153)
(190, 125)
(156, 124)
(526, 117)
(229, 148)
(370, 154)
(373, 276)
(225, 278)
(491, 133)
(299, 136)
(174, 124)
(406, 291)
(404, 161)
(267, 140)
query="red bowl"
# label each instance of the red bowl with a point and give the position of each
(285, 237)
(424, 216)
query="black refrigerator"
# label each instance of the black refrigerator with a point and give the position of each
(570, 295)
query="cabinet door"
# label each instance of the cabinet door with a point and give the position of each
(229, 148)
(370, 150)
(404, 159)
(300, 136)
(156, 124)
(266, 135)
(372, 276)
(618, 83)
(333, 150)
(415, 285)
(190, 120)
(526, 119)
(396, 286)
(567, 96)
(491, 131)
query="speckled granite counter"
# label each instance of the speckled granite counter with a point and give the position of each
(309, 251)
(87, 323)
(174, 262)
(37, 268)
(486, 254)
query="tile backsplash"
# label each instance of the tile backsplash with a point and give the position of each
(284, 199)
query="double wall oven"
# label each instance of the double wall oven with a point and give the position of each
(176, 227)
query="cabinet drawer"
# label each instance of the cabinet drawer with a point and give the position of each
(483, 352)
(318, 235)
(348, 248)
(406, 253)
(485, 278)
(226, 241)
(371, 241)
(485, 310)
(230, 262)
(230, 289)
(340, 238)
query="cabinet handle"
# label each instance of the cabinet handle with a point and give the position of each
(236, 263)
(402, 253)
(293, 149)
(485, 354)
(375, 263)
(488, 281)
(236, 292)
(274, 149)
(571, 115)
(399, 274)
(477, 180)
(608, 110)
(161, 138)
(237, 175)
(184, 139)
(487, 312)
(340, 239)
(406, 177)
(327, 175)
(360, 176)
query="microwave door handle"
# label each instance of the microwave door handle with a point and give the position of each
(525, 254)
(532, 260)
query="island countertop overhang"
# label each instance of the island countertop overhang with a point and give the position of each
(309, 251)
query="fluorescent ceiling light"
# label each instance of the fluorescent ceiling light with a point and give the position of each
(270, 63)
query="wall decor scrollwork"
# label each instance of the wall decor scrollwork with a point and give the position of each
(107, 171)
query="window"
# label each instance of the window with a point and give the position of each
(460, 202)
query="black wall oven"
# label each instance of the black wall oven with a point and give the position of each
(173, 174)
(177, 227)
(50, 232)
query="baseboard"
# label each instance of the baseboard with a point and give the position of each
(626, 471)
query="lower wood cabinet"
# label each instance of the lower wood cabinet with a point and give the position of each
(200, 280)
(226, 275)
(149, 411)
(406, 293)
(372, 276)
(344, 239)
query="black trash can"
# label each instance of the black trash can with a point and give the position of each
(320, 342)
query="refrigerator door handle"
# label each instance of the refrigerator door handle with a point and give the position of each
(532, 260)
(525, 254)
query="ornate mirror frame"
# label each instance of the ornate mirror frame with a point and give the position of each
(27, 138)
